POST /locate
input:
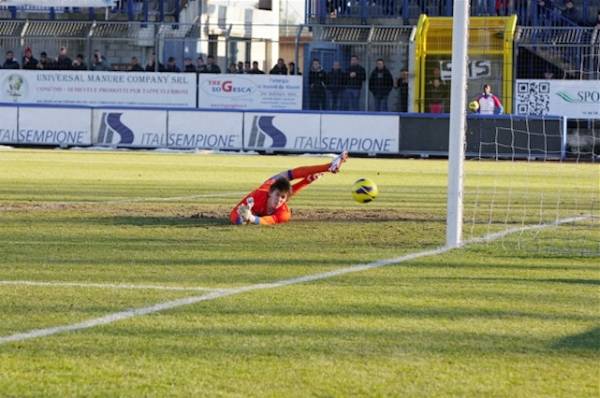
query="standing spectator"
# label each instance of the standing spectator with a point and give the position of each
(79, 63)
(134, 65)
(211, 66)
(336, 82)
(489, 104)
(436, 96)
(380, 85)
(255, 70)
(63, 62)
(240, 67)
(570, 12)
(356, 76)
(232, 68)
(29, 62)
(247, 67)
(292, 69)
(172, 66)
(9, 62)
(99, 62)
(188, 65)
(402, 85)
(200, 65)
(45, 62)
(317, 82)
(279, 68)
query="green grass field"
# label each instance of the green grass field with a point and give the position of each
(88, 234)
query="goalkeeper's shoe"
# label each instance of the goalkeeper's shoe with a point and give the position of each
(336, 164)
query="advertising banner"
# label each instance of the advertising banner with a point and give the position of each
(129, 128)
(8, 127)
(205, 130)
(281, 131)
(98, 88)
(575, 99)
(254, 92)
(54, 126)
(359, 133)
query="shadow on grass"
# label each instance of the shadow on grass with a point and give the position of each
(588, 341)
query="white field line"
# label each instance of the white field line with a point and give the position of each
(118, 316)
(106, 286)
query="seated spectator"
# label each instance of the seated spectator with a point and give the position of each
(45, 62)
(279, 68)
(232, 68)
(78, 63)
(29, 62)
(99, 62)
(292, 69)
(255, 70)
(172, 66)
(211, 66)
(188, 65)
(200, 65)
(570, 12)
(10, 62)
(134, 65)
(63, 62)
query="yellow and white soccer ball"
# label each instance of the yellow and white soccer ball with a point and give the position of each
(364, 190)
(474, 106)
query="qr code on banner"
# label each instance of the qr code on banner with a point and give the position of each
(533, 98)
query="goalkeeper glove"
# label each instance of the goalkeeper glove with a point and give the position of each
(245, 211)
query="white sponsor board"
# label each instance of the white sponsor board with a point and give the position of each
(206, 130)
(98, 88)
(8, 126)
(272, 131)
(359, 133)
(569, 98)
(129, 128)
(254, 92)
(54, 126)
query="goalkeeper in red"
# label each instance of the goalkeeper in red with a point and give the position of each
(268, 204)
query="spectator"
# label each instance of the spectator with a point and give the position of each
(240, 67)
(247, 67)
(10, 62)
(255, 70)
(188, 65)
(336, 82)
(317, 82)
(436, 96)
(380, 85)
(502, 7)
(232, 68)
(200, 65)
(570, 12)
(402, 85)
(134, 65)
(292, 69)
(45, 62)
(29, 62)
(489, 104)
(543, 8)
(79, 63)
(172, 66)
(211, 66)
(356, 76)
(279, 68)
(63, 62)
(597, 22)
(99, 62)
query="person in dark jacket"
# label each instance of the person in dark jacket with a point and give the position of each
(317, 82)
(336, 83)
(279, 68)
(402, 86)
(151, 65)
(172, 66)
(356, 76)
(380, 85)
(99, 62)
(134, 65)
(9, 62)
(211, 66)
(29, 61)
(254, 70)
(63, 62)
(45, 62)
(79, 63)
(293, 70)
